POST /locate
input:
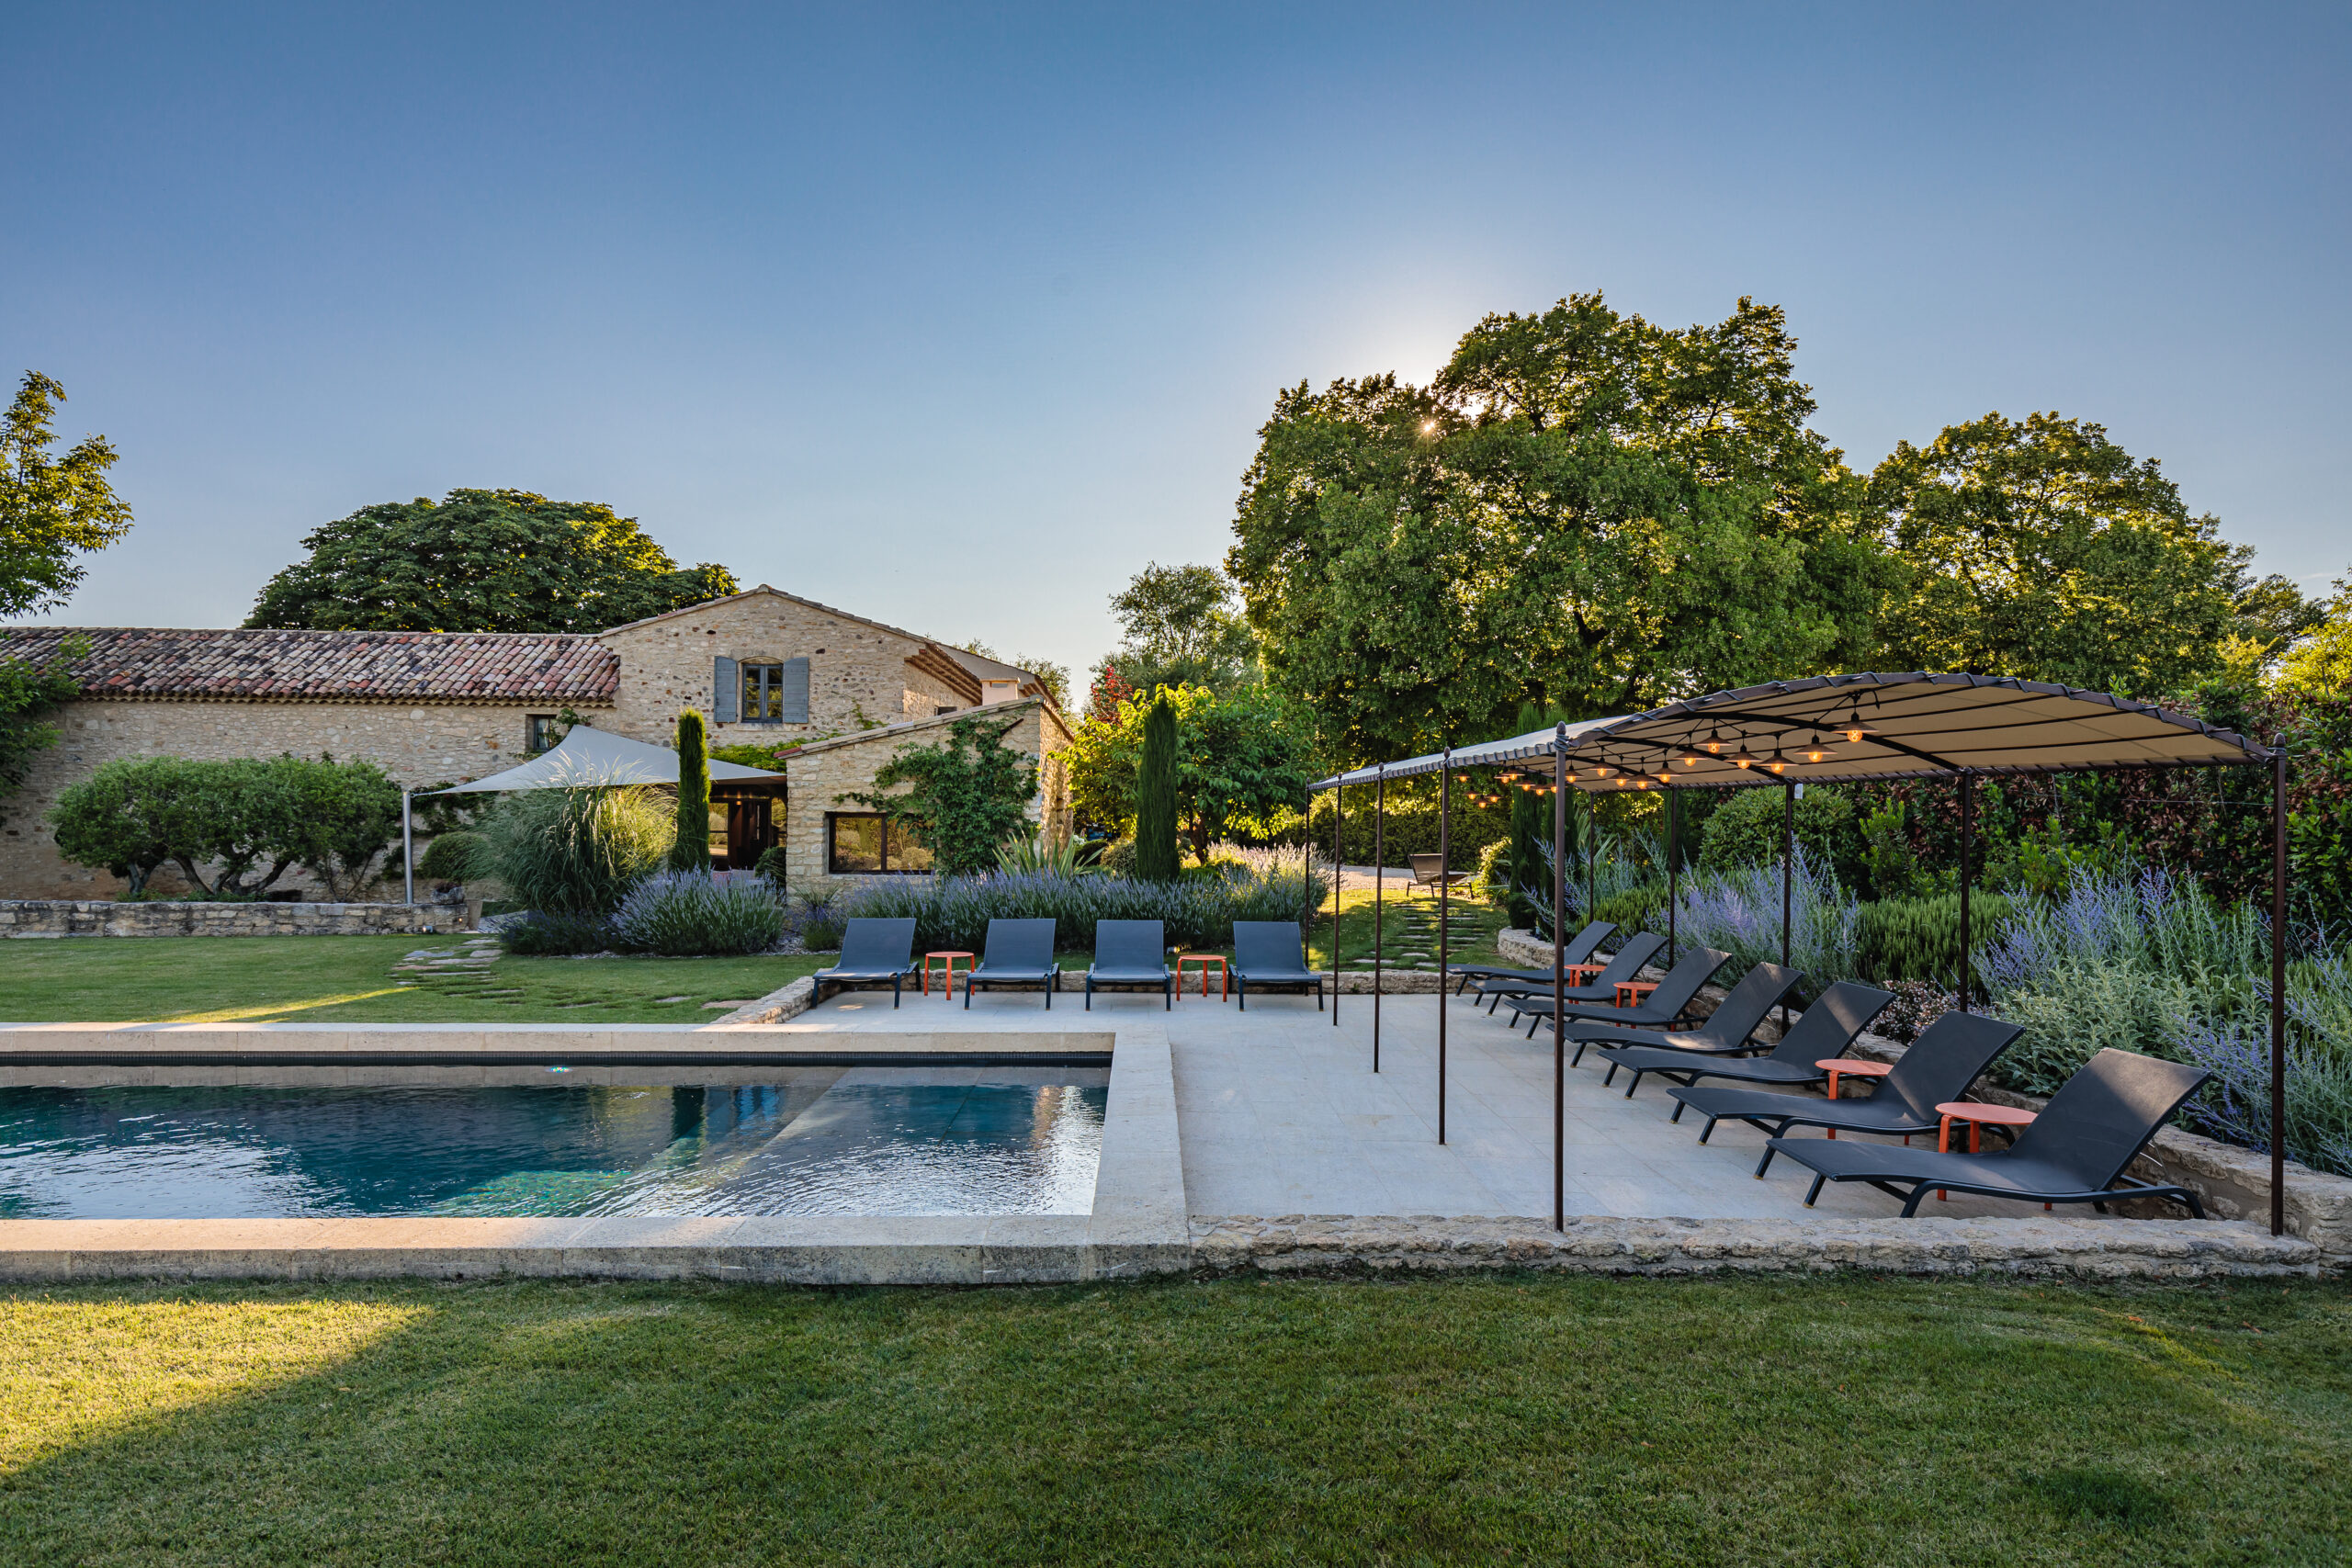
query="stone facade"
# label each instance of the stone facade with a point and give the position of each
(432, 709)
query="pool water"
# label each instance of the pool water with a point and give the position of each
(811, 1141)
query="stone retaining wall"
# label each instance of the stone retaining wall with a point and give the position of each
(2039, 1246)
(97, 916)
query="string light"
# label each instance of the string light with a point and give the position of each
(1814, 751)
(1743, 757)
(1775, 762)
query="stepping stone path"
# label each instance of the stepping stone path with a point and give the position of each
(455, 971)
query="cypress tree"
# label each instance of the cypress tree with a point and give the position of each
(1156, 795)
(692, 851)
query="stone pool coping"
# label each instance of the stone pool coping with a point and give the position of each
(1138, 1224)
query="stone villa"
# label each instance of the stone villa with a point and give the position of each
(430, 708)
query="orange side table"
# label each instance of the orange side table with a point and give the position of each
(1978, 1117)
(1204, 960)
(950, 956)
(1585, 974)
(1852, 1067)
(1634, 993)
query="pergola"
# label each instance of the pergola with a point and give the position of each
(1830, 729)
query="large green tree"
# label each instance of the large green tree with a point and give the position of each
(1180, 625)
(54, 509)
(2040, 548)
(483, 560)
(1584, 508)
(1243, 753)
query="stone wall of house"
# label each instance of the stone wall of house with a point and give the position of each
(418, 745)
(858, 672)
(83, 917)
(817, 777)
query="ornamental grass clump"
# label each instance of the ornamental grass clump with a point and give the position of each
(577, 849)
(690, 914)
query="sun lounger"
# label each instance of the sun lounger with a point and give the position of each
(1270, 956)
(1020, 953)
(1577, 948)
(1724, 1031)
(2075, 1151)
(1624, 965)
(1130, 952)
(1429, 871)
(1663, 1007)
(1825, 1030)
(1939, 1065)
(873, 952)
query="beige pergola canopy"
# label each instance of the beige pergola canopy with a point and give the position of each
(1831, 728)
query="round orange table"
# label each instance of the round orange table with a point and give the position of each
(1978, 1117)
(950, 956)
(1852, 1067)
(1585, 974)
(1634, 993)
(1204, 959)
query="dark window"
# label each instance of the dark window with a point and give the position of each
(541, 733)
(862, 844)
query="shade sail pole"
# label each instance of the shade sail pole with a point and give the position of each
(407, 851)
(1559, 978)
(2277, 990)
(1591, 854)
(1788, 869)
(1673, 853)
(1339, 861)
(1379, 865)
(1444, 914)
(1967, 838)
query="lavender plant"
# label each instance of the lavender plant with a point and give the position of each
(1738, 912)
(955, 911)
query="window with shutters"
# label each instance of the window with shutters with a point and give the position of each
(772, 694)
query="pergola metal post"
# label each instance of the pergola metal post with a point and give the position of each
(2277, 990)
(1379, 872)
(1591, 854)
(1788, 867)
(1559, 978)
(1967, 838)
(1673, 855)
(1338, 864)
(1444, 914)
(408, 853)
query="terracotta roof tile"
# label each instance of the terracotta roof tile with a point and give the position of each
(128, 663)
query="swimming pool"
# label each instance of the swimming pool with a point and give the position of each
(878, 1141)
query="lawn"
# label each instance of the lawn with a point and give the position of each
(350, 980)
(1499, 1420)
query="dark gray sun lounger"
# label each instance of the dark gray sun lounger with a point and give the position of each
(2075, 1151)
(1825, 1030)
(1020, 953)
(1270, 954)
(1663, 1009)
(1577, 948)
(873, 952)
(1722, 1032)
(1130, 952)
(1939, 1065)
(1624, 965)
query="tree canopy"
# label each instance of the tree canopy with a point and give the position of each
(969, 793)
(53, 510)
(1180, 625)
(1242, 753)
(483, 560)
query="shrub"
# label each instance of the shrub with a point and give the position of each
(536, 934)
(955, 911)
(2236, 1051)
(1748, 830)
(1640, 907)
(819, 922)
(1038, 853)
(770, 867)
(2081, 1007)
(689, 914)
(131, 815)
(578, 849)
(1738, 912)
(968, 794)
(1918, 939)
(1916, 1004)
(1492, 879)
(1119, 857)
(452, 856)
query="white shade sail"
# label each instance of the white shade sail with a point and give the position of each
(589, 756)
(1830, 727)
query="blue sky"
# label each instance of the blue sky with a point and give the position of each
(956, 317)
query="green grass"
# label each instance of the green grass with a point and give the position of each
(350, 980)
(1499, 1420)
(1407, 923)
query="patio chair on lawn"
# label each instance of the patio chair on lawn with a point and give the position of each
(1577, 948)
(1020, 953)
(1624, 965)
(1663, 1009)
(2075, 1151)
(1130, 952)
(1270, 954)
(1939, 1065)
(1823, 1030)
(1724, 1032)
(873, 952)
(1428, 871)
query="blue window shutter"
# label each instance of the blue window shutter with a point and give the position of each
(793, 692)
(725, 691)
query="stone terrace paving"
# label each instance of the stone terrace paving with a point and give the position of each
(1280, 1113)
